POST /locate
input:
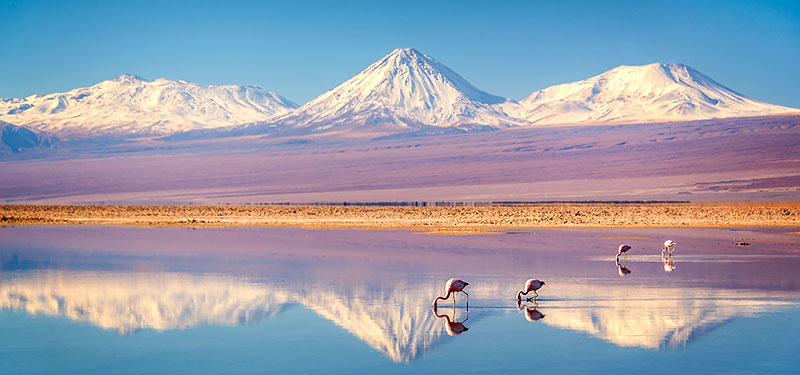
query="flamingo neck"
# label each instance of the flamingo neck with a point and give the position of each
(444, 297)
(519, 295)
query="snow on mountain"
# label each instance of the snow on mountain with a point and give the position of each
(404, 89)
(405, 92)
(654, 92)
(129, 104)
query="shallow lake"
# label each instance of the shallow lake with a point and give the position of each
(120, 300)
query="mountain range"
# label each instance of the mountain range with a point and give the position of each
(405, 91)
(129, 104)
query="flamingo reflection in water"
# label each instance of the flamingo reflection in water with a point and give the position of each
(669, 263)
(666, 258)
(453, 287)
(622, 268)
(531, 313)
(532, 285)
(451, 326)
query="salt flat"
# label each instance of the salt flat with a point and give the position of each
(712, 160)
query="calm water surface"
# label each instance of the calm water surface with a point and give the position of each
(111, 300)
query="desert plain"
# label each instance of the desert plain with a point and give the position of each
(435, 219)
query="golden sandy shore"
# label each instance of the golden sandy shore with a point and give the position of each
(434, 219)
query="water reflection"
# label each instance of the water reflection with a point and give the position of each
(622, 268)
(380, 291)
(127, 303)
(668, 261)
(647, 317)
(531, 313)
(394, 319)
(451, 325)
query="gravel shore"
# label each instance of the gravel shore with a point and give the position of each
(436, 219)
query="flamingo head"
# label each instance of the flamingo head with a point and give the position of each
(669, 243)
(541, 282)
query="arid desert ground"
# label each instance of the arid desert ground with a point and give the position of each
(433, 219)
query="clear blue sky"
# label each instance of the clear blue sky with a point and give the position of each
(302, 49)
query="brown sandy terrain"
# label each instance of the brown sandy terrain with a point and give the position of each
(433, 219)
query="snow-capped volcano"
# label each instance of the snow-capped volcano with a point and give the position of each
(404, 89)
(129, 104)
(654, 92)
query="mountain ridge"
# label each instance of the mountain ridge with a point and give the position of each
(130, 104)
(644, 93)
(404, 90)
(404, 93)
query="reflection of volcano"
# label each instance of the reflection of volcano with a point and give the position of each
(396, 321)
(653, 317)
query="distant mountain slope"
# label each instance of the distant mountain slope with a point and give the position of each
(405, 89)
(14, 139)
(654, 92)
(131, 105)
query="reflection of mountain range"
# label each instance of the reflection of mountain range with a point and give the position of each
(130, 302)
(653, 317)
(396, 321)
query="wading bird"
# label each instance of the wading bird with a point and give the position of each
(532, 285)
(623, 250)
(453, 286)
(668, 248)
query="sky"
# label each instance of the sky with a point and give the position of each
(302, 49)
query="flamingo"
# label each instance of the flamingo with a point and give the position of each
(531, 313)
(532, 285)
(453, 286)
(453, 328)
(668, 248)
(623, 250)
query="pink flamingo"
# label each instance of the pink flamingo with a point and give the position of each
(668, 248)
(453, 286)
(623, 250)
(532, 285)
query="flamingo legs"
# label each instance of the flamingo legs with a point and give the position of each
(454, 298)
